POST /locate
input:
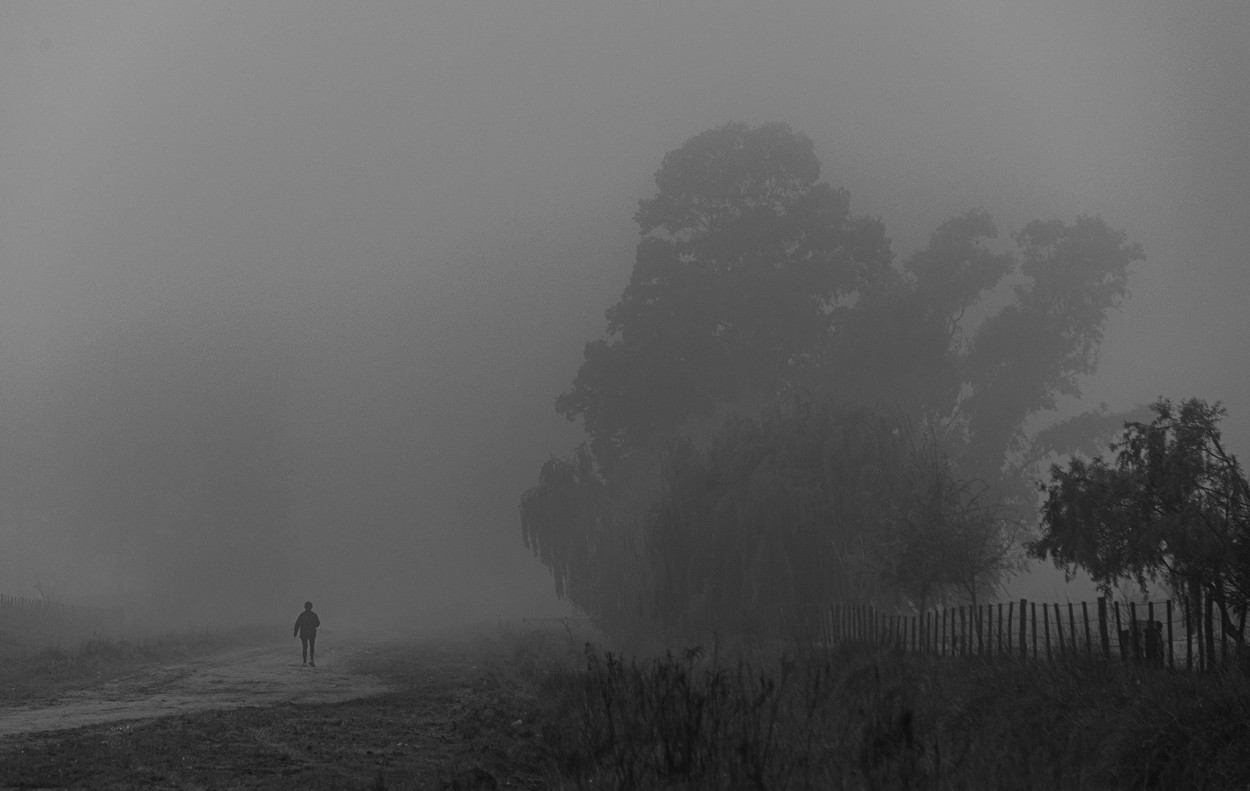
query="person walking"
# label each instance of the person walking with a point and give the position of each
(306, 630)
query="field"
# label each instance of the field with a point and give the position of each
(516, 706)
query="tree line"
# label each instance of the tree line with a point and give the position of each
(780, 413)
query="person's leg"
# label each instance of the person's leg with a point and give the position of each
(312, 651)
(304, 644)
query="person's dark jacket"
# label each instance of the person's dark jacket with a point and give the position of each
(306, 624)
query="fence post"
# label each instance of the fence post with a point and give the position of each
(1033, 622)
(1134, 636)
(980, 631)
(986, 624)
(1046, 628)
(1071, 642)
(1119, 630)
(942, 645)
(1150, 629)
(1011, 606)
(1102, 627)
(1171, 649)
(1089, 645)
(963, 631)
(1059, 629)
(1000, 629)
(1024, 642)
(987, 630)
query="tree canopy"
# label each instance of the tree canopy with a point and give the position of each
(743, 259)
(755, 289)
(1172, 505)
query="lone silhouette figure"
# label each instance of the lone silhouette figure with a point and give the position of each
(306, 629)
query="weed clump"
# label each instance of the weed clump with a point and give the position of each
(698, 722)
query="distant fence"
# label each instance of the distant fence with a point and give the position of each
(102, 618)
(1153, 633)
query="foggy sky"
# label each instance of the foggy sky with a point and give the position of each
(425, 208)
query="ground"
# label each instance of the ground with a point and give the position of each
(378, 711)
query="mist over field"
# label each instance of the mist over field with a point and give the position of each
(287, 290)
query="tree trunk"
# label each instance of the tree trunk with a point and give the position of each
(1208, 628)
(1226, 620)
(1241, 625)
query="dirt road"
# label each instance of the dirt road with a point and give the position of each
(243, 677)
(379, 710)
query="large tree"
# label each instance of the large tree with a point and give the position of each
(1172, 505)
(755, 288)
(744, 258)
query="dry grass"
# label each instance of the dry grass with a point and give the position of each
(33, 668)
(866, 718)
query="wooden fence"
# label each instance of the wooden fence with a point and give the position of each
(1153, 633)
(102, 618)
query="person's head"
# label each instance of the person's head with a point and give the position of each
(307, 605)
